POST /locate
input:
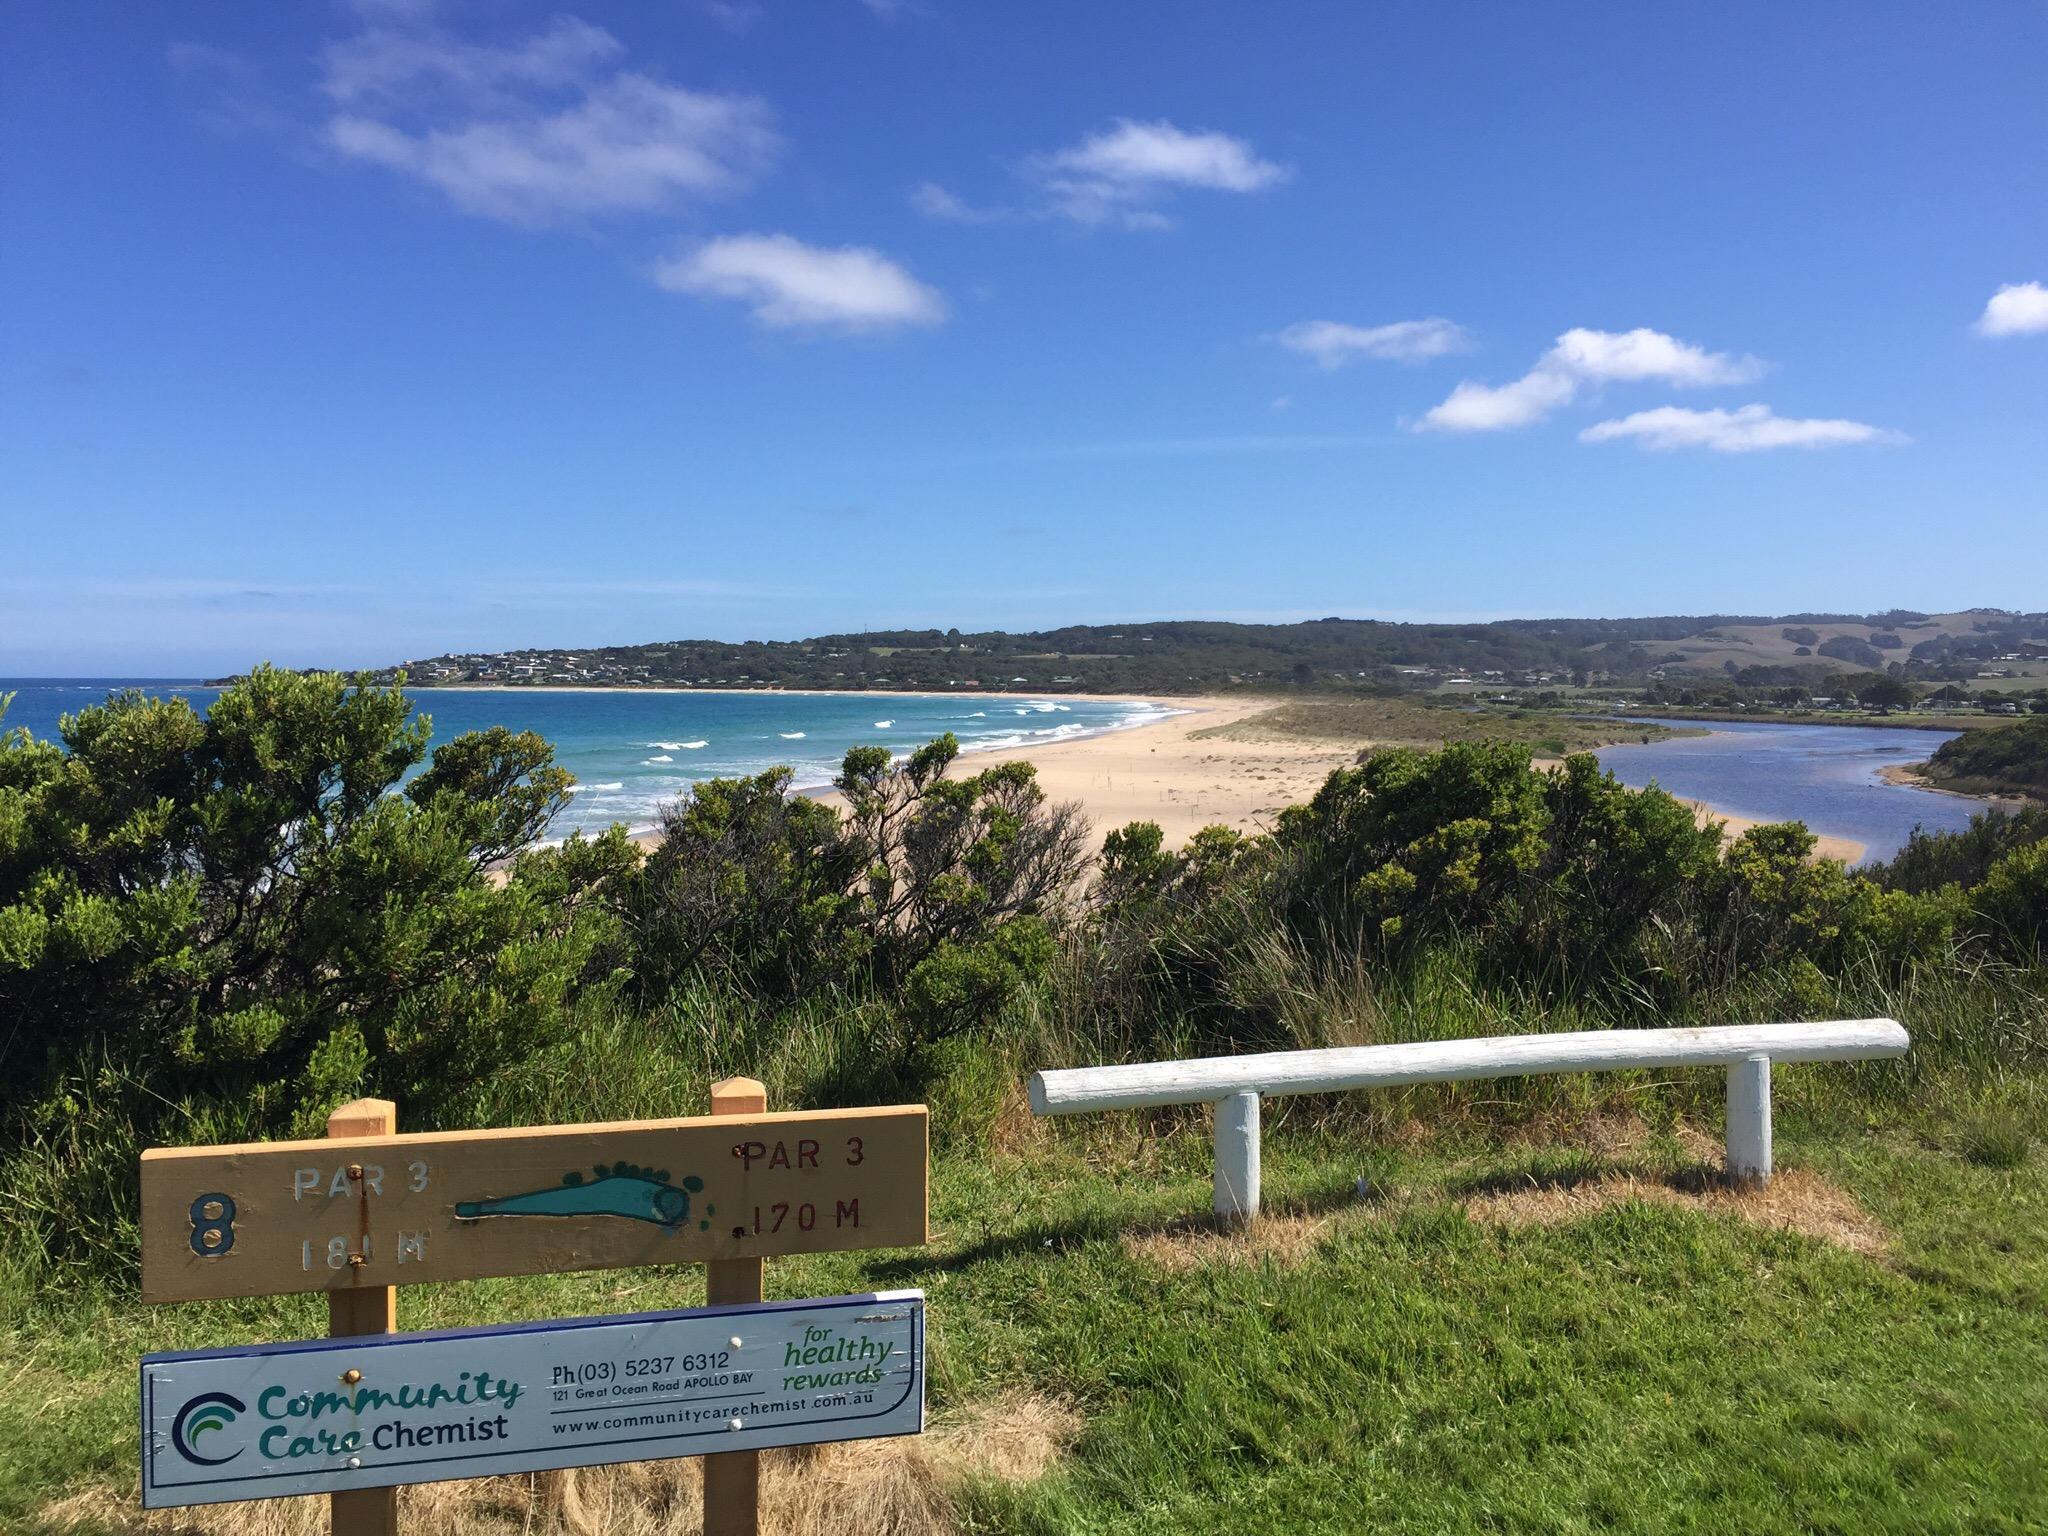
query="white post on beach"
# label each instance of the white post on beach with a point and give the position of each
(1237, 1158)
(1749, 1120)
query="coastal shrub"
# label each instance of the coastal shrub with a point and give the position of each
(1421, 839)
(2010, 759)
(2013, 901)
(752, 884)
(948, 859)
(779, 894)
(244, 908)
(1181, 941)
(1617, 864)
(960, 985)
(1561, 882)
(1559, 871)
(1930, 860)
(1774, 901)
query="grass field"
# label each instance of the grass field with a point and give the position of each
(1564, 1329)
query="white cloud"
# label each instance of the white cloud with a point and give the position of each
(1121, 177)
(1487, 408)
(1583, 357)
(1117, 176)
(386, 63)
(1333, 343)
(543, 131)
(1134, 155)
(1747, 429)
(733, 15)
(935, 202)
(1646, 354)
(2017, 309)
(791, 285)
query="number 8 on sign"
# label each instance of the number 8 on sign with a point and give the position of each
(213, 1225)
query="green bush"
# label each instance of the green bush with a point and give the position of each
(244, 909)
(2013, 900)
(770, 891)
(752, 884)
(1435, 839)
(960, 985)
(1931, 860)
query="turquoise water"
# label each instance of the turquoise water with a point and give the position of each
(633, 752)
(1823, 775)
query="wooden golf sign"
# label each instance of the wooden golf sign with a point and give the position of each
(367, 1210)
(273, 1217)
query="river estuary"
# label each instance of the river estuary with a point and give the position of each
(1823, 775)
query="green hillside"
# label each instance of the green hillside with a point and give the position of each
(2011, 759)
(1200, 656)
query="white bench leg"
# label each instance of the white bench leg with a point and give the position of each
(1237, 1158)
(1749, 1120)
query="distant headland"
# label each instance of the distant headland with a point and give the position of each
(1715, 658)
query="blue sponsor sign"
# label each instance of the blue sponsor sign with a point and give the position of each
(328, 1415)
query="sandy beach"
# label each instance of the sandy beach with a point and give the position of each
(1179, 774)
(1173, 773)
(1847, 849)
(1185, 774)
(1910, 775)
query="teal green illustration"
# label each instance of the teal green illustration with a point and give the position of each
(619, 1189)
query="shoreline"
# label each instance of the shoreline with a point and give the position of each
(1826, 845)
(1907, 721)
(1164, 771)
(1157, 770)
(1909, 776)
(801, 693)
(1180, 770)
(1163, 713)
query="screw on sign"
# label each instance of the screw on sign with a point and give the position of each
(358, 1416)
(369, 1210)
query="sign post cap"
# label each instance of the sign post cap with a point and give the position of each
(739, 1096)
(364, 1117)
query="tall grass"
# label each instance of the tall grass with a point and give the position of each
(1237, 982)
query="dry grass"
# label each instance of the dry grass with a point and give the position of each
(1016, 1132)
(900, 1487)
(1798, 1201)
(1198, 1241)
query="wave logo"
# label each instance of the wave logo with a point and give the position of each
(210, 1410)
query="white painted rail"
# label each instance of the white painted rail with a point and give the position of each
(1235, 1084)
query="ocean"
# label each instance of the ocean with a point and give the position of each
(633, 752)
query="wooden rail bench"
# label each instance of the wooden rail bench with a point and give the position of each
(1235, 1084)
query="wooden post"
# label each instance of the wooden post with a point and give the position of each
(1749, 1120)
(1237, 1159)
(370, 1309)
(732, 1479)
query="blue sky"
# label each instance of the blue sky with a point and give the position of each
(344, 333)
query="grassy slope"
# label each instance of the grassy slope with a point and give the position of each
(1647, 1368)
(1406, 719)
(2012, 760)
